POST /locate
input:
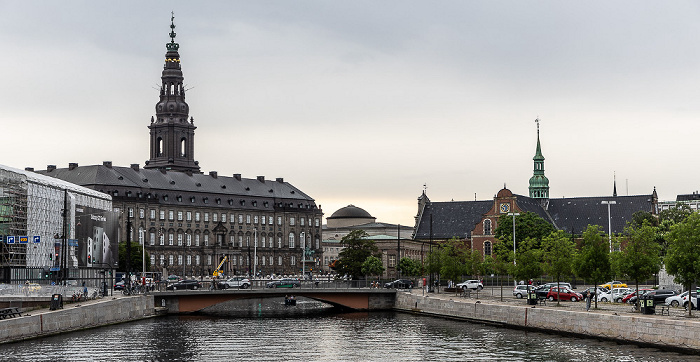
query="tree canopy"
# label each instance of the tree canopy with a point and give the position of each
(592, 262)
(527, 225)
(528, 260)
(357, 248)
(641, 257)
(136, 257)
(683, 255)
(410, 267)
(372, 266)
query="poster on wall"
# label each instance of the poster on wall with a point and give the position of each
(96, 232)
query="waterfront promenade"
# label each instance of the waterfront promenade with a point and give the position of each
(617, 322)
(76, 316)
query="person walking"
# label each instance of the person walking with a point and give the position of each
(588, 300)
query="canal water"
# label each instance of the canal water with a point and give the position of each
(330, 337)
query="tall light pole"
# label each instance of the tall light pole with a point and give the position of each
(255, 251)
(609, 224)
(513, 214)
(303, 255)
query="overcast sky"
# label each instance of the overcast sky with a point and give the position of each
(364, 102)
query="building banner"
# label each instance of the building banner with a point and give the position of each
(96, 233)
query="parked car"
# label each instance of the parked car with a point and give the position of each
(676, 300)
(520, 291)
(541, 292)
(185, 284)
(632, 297)
(615, 295)
(693, 300)
(235, 282)
(563, 294)
(659, 296)
(615, 284)
(284, 283)
(471, 284)
(561, 284)
(399, 284)
(119, 285)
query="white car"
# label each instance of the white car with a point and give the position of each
(520, 291)
(693, 300)
(677, 300)
(616, 295)
(471, 284)
(235, 282)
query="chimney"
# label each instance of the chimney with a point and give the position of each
(213, 174)
(50, 168)
(135, 166)
(107, 164)
(261, 179)
(72, 166)
(30, 169)
(280, 179)
(237, 176)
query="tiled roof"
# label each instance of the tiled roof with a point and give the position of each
(451, 219)
(101, 177)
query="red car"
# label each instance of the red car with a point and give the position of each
(564, 294)
(627, 298)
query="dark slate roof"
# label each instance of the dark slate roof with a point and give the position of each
(111, 178)
(578, 212)
(451, 219)
(688, 197)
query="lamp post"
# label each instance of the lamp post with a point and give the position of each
(513, 214)
(303, 255)
(255, 251)
(609, 224)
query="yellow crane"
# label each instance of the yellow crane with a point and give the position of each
(218, 271)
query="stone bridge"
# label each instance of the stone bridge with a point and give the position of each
(191, 301)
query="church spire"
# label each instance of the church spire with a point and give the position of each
(172, 134)
(539, 184)
(614, 185)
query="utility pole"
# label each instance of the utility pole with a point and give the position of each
(128, 249)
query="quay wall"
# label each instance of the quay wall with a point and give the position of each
(681, 334)
(76, 317)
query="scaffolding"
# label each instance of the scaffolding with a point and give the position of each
(13, 217)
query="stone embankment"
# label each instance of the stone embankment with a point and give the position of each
(666, 332)
(73, 317)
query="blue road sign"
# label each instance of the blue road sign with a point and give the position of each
(72, 242)
(55, 268)
(10, 239)
(36, 239)
(24, 239)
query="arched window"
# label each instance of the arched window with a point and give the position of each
(183, 147)
(487, 248)
(487, 227)
(159, 146)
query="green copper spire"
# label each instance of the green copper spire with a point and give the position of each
(539, 184)
(172, 46)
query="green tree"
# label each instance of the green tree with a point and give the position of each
(372, 266)
(357, 248)
(592, 262)
(527, 225)
(559, 252)
(683, 255)
(136, 257)
(676, 214)
(640, 217)
(528, 260)
(641, 257)
(410, 267)
(451, 259)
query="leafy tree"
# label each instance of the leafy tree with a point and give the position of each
(641, 258)
(676, 214)
(136, 257)
(527, 225)
(410, 267)
(683, 255)
(497, 264)
(640, 217)
(528, 260)
(357, 248)
(558, 255)
(372, 266)
(592, 262)
(451, 259)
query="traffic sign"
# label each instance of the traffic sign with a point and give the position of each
(36, 239)
(10, 239)
(55, 268)
(24, 239)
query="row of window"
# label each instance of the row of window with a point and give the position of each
(215, 217)
(199, 240)
(235, 260)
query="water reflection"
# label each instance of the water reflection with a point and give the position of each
(342, 337)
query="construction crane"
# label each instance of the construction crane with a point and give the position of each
(218, 272)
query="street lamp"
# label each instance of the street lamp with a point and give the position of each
(609, 224)
(255, 251)
(513, 214)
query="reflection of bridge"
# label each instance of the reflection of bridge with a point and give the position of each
(196, 300)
